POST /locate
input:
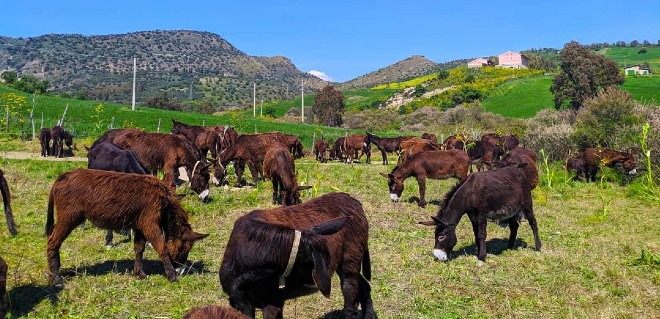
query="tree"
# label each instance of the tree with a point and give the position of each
(583, 73)
(9, 76)
(328, 106)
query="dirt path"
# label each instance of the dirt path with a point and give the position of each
(36, 156)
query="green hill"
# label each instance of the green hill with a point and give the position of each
(626, 56)
(521, 98)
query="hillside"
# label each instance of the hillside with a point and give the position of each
(412, 67)
(167, 61)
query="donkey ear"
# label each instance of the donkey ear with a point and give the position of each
(330, 227)
(195, 236)
(321, 275)
(86, 148)
(302, 188)
(428, 223)
(385, 175)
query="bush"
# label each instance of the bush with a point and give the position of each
(608, 120)
(551, 131)
(377, 120)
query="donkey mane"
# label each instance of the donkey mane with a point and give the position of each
(449, 195)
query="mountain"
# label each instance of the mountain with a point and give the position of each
(412, 67)
(181, 63)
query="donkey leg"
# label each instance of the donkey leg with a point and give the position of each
(108, 238)
(61, 231)
(350, 289)
(529, 214)
(138, 246)
(481, 237)
(153, 234)
(421, 181)
(366, 303)
(275, 191)
(513, 231)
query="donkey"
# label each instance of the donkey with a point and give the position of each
(57, 136)
(213, 312)
(6, 199)
(575, 165)
(110, 157)
(596, 156)
(329, 234)
(281, 169)
(354, 143)
(386, 144)
(118, 201)
(320, 150)
(44, 141)
(429, 164)
(501, 194)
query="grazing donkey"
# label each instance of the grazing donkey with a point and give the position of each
(501, 194)
(119, 201)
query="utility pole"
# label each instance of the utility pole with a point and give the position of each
(261, 111)
(134, 74)
(302, 101)
(254, 100)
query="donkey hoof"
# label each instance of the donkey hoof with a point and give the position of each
(58, 282)
(141, 274)
(480, 263)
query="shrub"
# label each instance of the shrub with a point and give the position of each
(608, 120)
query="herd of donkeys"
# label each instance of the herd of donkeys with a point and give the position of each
(300, 245)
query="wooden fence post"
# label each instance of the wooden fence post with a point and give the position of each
(158, 128)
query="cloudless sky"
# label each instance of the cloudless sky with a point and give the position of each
(346, 39)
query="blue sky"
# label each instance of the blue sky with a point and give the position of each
(346, 39)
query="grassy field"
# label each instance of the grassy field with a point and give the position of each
(521, 98)
(600, 255)
(643, 88)
(629, 56)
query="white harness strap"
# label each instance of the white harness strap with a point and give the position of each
(292, 259)
(194, 169)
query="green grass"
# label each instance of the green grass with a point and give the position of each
(643, 88)
(628, 56)
(590, 265)
(521, 98)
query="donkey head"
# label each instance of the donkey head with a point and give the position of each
(179, 246)
(199, 179)
(395, 185)
(445, 237)
(293, 197)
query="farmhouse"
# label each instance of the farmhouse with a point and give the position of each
(636, 70)
(513, 60)
(478, 62)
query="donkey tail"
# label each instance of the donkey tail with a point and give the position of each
(50, 220)
(366, 265)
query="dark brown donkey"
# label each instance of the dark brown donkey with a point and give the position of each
(429, 164)
(330, 233)
(355, 143)
(321, 150)
(117, 201)
(502, 194)
(386, 144)
(280, 168)
(248, 149)
(594, 157)
(6, 199)
(206, 138)
(44, 141)
(168, 152)
(57, 136)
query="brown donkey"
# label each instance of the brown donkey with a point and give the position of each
(429, 164)
(119, 201)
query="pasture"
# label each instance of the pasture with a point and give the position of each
(600, 255)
